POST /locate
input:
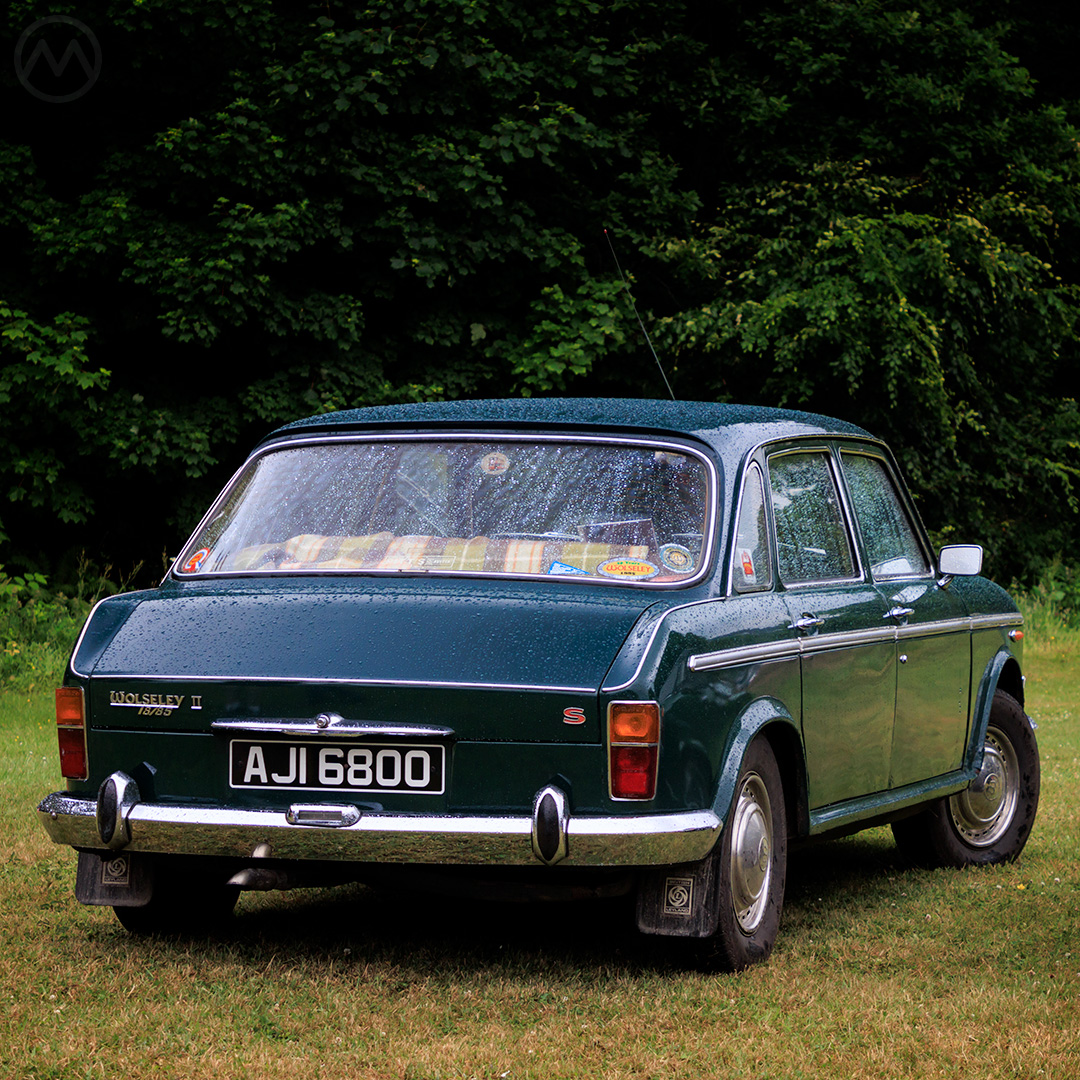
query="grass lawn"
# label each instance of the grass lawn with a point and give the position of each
(880, 970)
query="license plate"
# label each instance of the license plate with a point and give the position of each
(336, 767)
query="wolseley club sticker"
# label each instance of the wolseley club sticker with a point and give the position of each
(635, 569)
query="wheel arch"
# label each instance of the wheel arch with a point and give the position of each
(1011, 680)
(769, 718)
(1001, 673)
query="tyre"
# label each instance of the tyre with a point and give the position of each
(752, 866)
(184, 900)
(991, 819)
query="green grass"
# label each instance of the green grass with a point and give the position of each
(880, 969)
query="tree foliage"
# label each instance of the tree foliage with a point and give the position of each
(262, 210)
(898, 246)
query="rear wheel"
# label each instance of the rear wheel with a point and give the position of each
(752, 866)
(186, 899)
(991, 819)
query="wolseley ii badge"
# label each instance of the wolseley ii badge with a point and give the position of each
(154, 704)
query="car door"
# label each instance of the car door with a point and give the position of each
(847, 648)
(933, 636)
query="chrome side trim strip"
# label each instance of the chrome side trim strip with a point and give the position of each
(450, 839)
(748, 654)
(845, 640)
(990, 622)
(934, 629)
(807, 646)
(784, 650)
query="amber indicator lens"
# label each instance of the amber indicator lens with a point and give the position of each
(69, 706)
(634, 721)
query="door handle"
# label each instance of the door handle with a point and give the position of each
(807, 622)
(900, 614)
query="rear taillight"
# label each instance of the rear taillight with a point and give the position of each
(71, 732)
(633, 748)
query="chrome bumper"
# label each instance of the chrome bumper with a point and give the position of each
(450, 839)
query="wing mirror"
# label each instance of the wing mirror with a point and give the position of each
(960, 560)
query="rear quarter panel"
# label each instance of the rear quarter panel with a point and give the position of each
(709, 716)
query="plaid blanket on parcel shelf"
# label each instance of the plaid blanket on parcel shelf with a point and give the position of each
(384, 551)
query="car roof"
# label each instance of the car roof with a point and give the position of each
(720, 425)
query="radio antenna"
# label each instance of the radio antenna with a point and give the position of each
(638, 317)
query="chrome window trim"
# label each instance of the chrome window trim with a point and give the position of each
(450, 434)
(752, 466)
(808, 646)
(903, 497)
(817, 445)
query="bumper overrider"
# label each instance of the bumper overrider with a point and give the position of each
(117, 819)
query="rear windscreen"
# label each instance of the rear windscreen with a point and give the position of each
(596, 510)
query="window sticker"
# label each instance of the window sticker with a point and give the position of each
(195, 562)
(436, 562)
(566, 568)
(677, 558)
(494, 464)
(629, 569)
(746, 559)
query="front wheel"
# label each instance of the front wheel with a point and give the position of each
(991, 819)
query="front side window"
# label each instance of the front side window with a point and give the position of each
(610, 511)
(811, 539)
(892, 544)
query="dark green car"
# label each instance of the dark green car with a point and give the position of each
(567, 647)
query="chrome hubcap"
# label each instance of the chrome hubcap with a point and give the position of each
(751, 853)
(983, 813)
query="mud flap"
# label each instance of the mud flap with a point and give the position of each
(115, 880)
(680, 901)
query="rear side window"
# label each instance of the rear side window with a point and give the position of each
(753, 567)
(892, 543)
(812, 542)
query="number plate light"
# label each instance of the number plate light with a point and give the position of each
(633, 748)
